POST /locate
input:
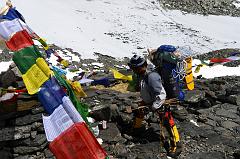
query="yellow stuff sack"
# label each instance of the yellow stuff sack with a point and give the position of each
(189, 74)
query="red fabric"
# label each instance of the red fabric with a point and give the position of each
(9, 105)
(77, 142)
(13, 99)
(169, 117)
(219, 60)
(19, 41)
(21, 90)
(17, 90)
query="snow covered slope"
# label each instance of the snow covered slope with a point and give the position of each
(121, 27)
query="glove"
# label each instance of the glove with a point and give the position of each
(157, 104)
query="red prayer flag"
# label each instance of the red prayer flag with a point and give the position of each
(19, 40)
(77, 142)
(219, 60)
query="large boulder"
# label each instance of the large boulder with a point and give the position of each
(7, 79)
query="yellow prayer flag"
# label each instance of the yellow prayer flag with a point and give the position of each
(44, 44)
(65, 63)
(36, 76)
(43, 66)
(121, 76)
(76, 86)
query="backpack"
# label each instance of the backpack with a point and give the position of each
(164, 57)
(167, 48)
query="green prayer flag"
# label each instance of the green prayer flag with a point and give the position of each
(81, 108)
(25, 58)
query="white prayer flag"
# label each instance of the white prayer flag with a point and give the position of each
(9, 27)
(64, 116)
(56, 123)
(71, 110)
(85, 80)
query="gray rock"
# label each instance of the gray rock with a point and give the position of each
(23, 157)
(211, 122)
(37, 141)
(102, 112)
(234, 99)
(14, 133)
(236, 154)
(48, 153)
(40, 155)
(22, 132)
(119, 150)
(105, 97)
(229, 124)
(28, 119)
(194, 96)
(180, 113)
(5, 153)
(12, 115)
(238, 111)
(210, 94)
(122, 96)
(115, 114)
(111, 134)
(90, 92)
(33, 134)
(219, 129)
(207, 155)
(2, 123)
(227, 114)
(20, 84)
(41, 130)
(26, 149)
(37, 110)
(202, 118)
(205, 103)
(148, 150)
(36, 125)
(229, 107)
(8, 78)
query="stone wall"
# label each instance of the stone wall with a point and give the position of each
(21, 133)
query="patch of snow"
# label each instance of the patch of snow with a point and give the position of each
(237, 3)
(122, 66)
(195, 123)
(119, 28)
(217, 71)
(98, 64)
(100, 141)
(53, 60)
(214, 71)
(196, 62)
(4, 66)
(70, 75)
